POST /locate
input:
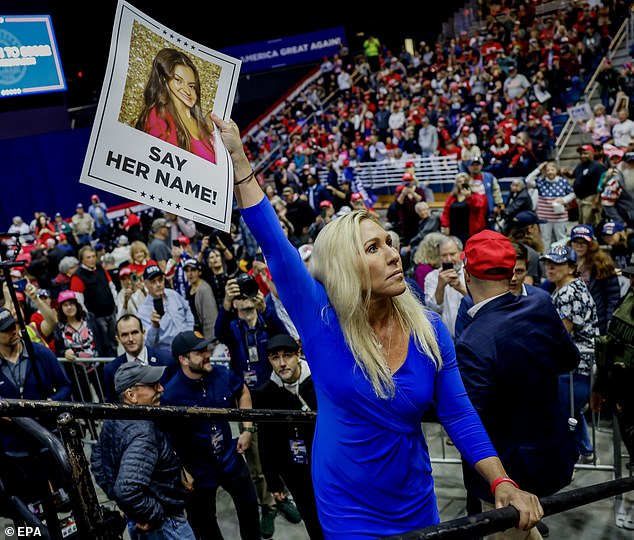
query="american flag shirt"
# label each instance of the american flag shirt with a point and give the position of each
(548, 191)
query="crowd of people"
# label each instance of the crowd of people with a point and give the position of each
(299, 322)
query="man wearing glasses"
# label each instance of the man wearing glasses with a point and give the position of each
(135, 465)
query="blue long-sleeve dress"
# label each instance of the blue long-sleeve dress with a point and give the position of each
(370, 464)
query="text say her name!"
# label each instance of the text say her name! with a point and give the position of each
(170, 179)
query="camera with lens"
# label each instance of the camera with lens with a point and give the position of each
(248, 285)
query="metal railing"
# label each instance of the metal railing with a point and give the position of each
(623, 35)
(76, 479)
(439, 171)
(90, 522)
(551, 7)
(485, 523)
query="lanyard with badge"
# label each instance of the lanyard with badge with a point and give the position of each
(250, 375)
(299, 450)
(17, 372)
(217, 437)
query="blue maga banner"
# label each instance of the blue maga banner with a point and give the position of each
(29, 59)
(289, 50)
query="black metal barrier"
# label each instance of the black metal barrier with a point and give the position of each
(71, 459)
(90, 523)
(74, 470)
(24, 407)
(504, 518)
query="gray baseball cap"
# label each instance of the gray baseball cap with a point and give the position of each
(130, 373)
(159, 223)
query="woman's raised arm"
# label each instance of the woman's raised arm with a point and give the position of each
(246, 188)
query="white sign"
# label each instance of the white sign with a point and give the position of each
(153, 140)
(580, 113)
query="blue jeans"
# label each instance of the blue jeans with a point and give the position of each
(172, 528)
(581, 390)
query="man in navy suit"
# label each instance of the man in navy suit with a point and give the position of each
(316, 193)
(131, 336)
(510, 357)
(516, 286)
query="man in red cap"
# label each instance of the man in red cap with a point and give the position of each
(510, 357)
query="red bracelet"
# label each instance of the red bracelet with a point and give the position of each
(499, 480)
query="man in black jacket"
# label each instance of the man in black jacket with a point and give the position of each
(285, 448)
(587, 175)
(97, 293)
(135, 465)
(519, 200)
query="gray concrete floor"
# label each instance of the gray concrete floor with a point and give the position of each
(590, 522)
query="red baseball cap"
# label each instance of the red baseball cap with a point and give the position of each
(184, 240)
(325, 204)
(356, 196)
(489, 255)
(409, 164)
(585, 148)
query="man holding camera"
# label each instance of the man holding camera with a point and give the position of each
(244, 324)
(445, 286)
(164, 312)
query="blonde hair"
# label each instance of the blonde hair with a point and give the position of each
(138, 245)
(461, 177)
(427, 251)
(346, 277)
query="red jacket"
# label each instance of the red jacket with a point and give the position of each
(478, 207)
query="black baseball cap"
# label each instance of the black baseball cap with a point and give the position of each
(189, 341)
(6, 319)
(151, 271)
(526, 218)
(282, 342)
